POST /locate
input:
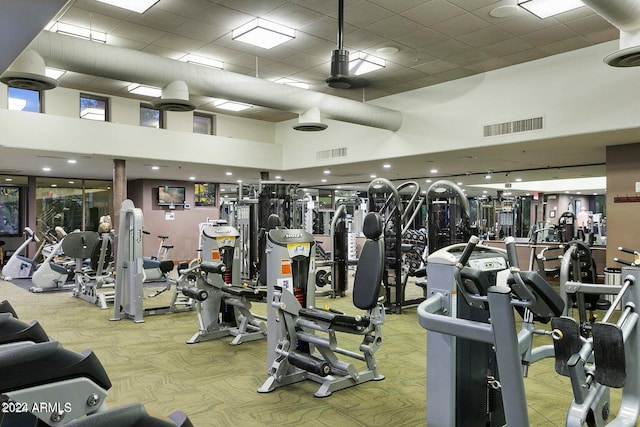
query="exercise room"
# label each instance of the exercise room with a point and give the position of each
(319, 212)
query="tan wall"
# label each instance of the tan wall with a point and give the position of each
(182, 231)
(623, 219)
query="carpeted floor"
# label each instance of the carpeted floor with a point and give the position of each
(215, 384)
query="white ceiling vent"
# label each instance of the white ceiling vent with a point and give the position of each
(331, 154)
(525, 125)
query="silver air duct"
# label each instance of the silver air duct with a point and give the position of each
(310, 121)
(624, 15)
(83, 56)
(175, 97)
(28, 72)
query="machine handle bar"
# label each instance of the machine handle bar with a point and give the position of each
(466, 253)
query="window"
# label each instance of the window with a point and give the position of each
(10, 211)
(66, 202)
(24, 100)
(204, 123)
(93, 107)
(151, 117)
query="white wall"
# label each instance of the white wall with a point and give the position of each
(575, 92)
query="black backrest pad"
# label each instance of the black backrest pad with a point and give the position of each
(548, 302)
(368, 278)
(45, 363)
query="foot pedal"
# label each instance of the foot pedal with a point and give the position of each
(566, 342)
(608, 351)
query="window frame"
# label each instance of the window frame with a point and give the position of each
(210, 116)
(40, 99)
(161, 115)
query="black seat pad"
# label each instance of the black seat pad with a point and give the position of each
(249, 293)
(336, 321)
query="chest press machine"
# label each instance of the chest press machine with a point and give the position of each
(223, 306)
(296, 349)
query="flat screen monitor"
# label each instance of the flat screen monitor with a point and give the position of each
(168, 196)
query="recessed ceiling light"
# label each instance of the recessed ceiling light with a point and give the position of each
(278, 177)
(8, 179)
(139, 6)
(386, 166)
(54, 185)
(263, 33)
(72, 161)
(72, 182)
(54, 73)
(323, 180)
(239, 181)
(46, 169)
(434, 171)
(326, 171)
(546, 8)
(225, 104)
(202, 61)
(373, 176)
(140, 89)
(428, 181)
(80, 32)
(229, 173)
(155, 168)
(362, 63)
(192, 178)
(518, 179)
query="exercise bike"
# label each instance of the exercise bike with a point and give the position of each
(158, 267)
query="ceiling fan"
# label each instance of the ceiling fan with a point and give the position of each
(339, 78)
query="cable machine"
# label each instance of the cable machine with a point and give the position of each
(448, 217)
(397, 216)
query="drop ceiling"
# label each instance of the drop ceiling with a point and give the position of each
(436, 41)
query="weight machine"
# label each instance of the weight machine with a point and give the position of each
(296, 350)
(397, 216)
(223, 305)
(130, 276)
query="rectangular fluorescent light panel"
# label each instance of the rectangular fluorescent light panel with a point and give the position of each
(264, 34)
(80, 32)
(54, 73)
(224, 104)
(139, 6)
(362, 63)
(546, 8)
(291, 82)
(201, 60)
(145, 90)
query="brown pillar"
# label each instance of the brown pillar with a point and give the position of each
(119, 192)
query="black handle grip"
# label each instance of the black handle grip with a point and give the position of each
(309, 363)
(629, 251)
(195, 293)
(512, 253)
(622, 261)
(466, 253)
